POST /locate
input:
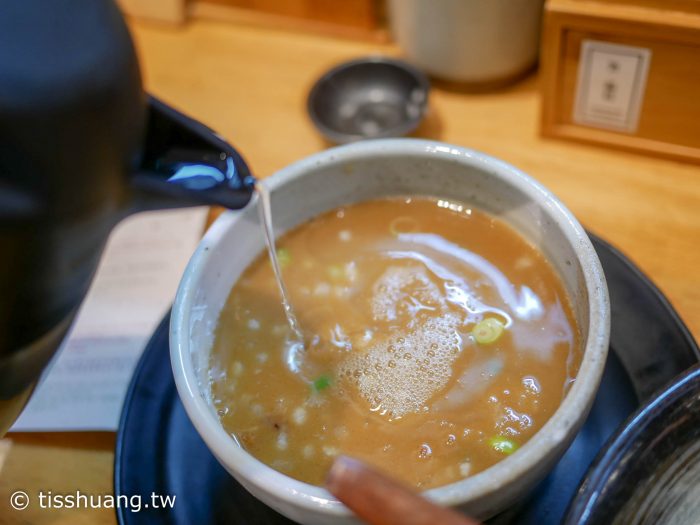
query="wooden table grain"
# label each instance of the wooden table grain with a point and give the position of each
(250, 84)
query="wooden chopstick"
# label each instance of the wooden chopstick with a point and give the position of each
(378, 500)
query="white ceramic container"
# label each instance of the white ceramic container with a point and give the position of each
(361, 171)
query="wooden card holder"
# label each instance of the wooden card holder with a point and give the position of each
(623, 73)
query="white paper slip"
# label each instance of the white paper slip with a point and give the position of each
(135, 285)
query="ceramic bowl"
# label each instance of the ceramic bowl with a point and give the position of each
(650, 471)
(368, 98)
(366, 170)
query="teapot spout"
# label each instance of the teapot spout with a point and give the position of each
(184, 163)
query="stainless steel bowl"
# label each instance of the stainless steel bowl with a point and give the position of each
(368, 98)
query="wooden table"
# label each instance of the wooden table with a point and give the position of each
(250, 84)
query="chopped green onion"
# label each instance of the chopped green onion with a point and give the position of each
(503, 445)
(321, 383)
(488, 331)
(336, 272)
(283, 257)
(403, 225)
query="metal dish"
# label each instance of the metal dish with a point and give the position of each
(368, 98)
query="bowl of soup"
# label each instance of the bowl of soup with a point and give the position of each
(447, 322)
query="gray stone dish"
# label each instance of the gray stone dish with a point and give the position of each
(368, 98)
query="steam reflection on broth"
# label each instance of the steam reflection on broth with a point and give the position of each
(437, 341)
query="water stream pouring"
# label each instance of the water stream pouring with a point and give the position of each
(265, 211)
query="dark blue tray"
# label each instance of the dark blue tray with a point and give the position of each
(158, 450)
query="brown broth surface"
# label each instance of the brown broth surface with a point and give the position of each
(388, 294)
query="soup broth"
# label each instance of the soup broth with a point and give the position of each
(436, 342)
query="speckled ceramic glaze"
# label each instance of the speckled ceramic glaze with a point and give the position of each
(650, 473)
(373, 169)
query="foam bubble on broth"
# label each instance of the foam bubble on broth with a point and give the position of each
(400, 374)
(403, 291)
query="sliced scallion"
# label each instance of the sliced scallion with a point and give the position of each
(336, 272)
(283, 257)
(321, 383)
(488, 331)
(403, 225)
(503, 445)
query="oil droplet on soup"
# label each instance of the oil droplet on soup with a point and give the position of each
(438, 341)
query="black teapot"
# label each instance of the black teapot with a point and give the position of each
(81, 147)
